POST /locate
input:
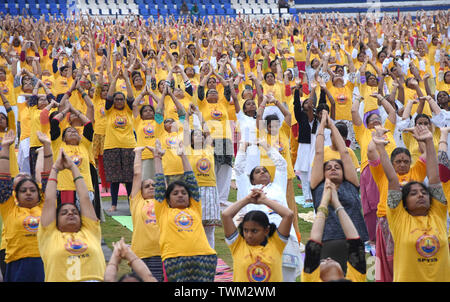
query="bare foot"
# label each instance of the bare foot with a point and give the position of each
(112, 209)
(233, 185)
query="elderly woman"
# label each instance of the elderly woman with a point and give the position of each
(417, 217)
(70, 237)
(118, 155)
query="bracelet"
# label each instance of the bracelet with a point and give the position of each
(48, 155)
(324, 210)
(54, 168)
(320, 134)
(83, 94)
(443, 142)
(4, 157)
(76, 178)
(69, 93)
(53, 179)
(337, 209)
(112, 264)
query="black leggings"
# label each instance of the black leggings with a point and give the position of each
(115, 191)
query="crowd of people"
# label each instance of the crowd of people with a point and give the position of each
(179, 110)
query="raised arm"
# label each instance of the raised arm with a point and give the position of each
(317, 168)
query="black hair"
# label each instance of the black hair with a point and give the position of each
(117, 93)
(145, 106)
(192, 133)
(406, 189)
(243, 106)
(172, 186)
(420, 115)
(399, 150)
(269, 72)
(253, 172)
(130, 275)
(271, 117)
(260, 218)
(342, 128)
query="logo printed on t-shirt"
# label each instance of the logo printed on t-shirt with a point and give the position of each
(258, 271)
(77, 160)
(172, 141)
(341, 99)
(31, 223)
(75, 246)
(149, 130)
(216, 114)
(203, 165)
(427, 245)
(120, 122)
(149, 210)
(183, 220)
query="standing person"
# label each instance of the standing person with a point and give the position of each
(256, 244)
(21, 213)
(363, 129)
(329, 269)
(406, 171)
(145, 239)
(343, 174)
(215, 113)
(8, 122)
(118, 155)
(185, 251)
(273, 187)
(417, 217)
(200, 153)
(145, 129)
(70, 237)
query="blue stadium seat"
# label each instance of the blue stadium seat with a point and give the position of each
(163, 11)
(210, 11)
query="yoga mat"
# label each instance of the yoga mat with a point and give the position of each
(125, 221)
(301, 201)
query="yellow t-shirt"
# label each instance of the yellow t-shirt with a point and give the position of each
(36, 125)
(181, 231)
(72, 257)
(81, 157)
(216, 117)
(7, 88)
(202, 163)
(99, 114)
(330, 154)
(24, 119)
(119, 128)
(343, 98)
(170, 111)
(20, 225)
(417, 172)
(61, 84)
(145, 240)
(421, 250)
(282, 143)
(411, 94)
(145, 134)
(370, 103)
(257, 263)
(172, 164)
(413, 146)
(364, 136)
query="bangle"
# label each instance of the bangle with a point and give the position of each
(69, 93)
(114, 264)
(4, 157)
(320, 134)
(443, 142)
(338, 208)
(324, 210)
(83, 94)
(48, 155)
(53, 179)
(76, 178)
(54, 168)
